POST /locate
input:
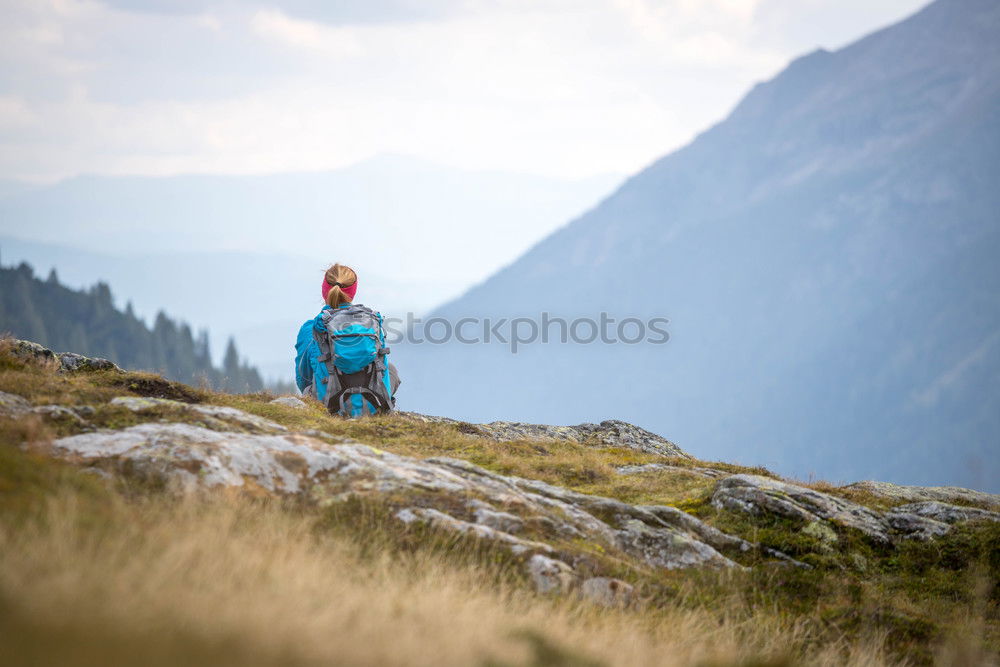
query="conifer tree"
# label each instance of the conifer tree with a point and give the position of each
(88, 323)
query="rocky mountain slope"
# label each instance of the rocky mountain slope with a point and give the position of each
(608, 514)
(826, 256)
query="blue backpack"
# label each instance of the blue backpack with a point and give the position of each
(352, 346)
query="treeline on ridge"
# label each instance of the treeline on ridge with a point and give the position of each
(87, 322)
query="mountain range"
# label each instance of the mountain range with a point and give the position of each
(243, 255)
(827, 256)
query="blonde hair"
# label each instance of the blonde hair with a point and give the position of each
(345, 275)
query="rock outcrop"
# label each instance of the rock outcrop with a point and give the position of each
(913, 494)
(559, 535)
(609, 433)
(217, 446)
(216, 417)
(66, 361)
(13, 406)
(761, 495)
(697, 471)
(289, 401)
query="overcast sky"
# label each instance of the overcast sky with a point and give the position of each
(565, 88)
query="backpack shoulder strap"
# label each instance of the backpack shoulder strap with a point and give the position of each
(327, 356)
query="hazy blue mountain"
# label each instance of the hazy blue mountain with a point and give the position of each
(829, 258)
(10, 187)
(401, 217)
(243, 255)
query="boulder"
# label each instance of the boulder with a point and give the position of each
(710, 473)
(31, 351)
(757, 495)
(217, 417)
(289, 401)
(527, 517)
(448, 523)
(59, 413)
(667, 549)
(913, 494)
(13, 406)
(818, 510)
(67, 361)
(71, 362)
(550, 575)
(610, 433)
(608, 592)
(929, 519)
(504, 521)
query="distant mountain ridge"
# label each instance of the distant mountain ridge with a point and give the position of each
(826, 255)
(371, 214)
(244, 255)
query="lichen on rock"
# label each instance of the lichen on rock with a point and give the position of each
(13, 406)
(609, 433)
(66, 361)
(913, 494)
(217, 417)
(754, 494)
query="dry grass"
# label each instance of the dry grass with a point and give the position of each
(230, 580)
(94, 574)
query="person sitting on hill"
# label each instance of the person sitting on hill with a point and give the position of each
(341, 358)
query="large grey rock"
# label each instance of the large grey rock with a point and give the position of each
(454, 495)
(929, 519)
(13, 406)
(713, 537)
(757, 495)
(66, 361)
(505, 521)
(913, 494)
(945, 513)
(922, 520)
(667, 549)
(697, 471)
(610, 433)
(217, 417)
(916, 527)
(193, 456)
(60, 413)
(550, 575)
(31, 351)
(448, 523)
(70, 362)
(608, 592)
(289, 401)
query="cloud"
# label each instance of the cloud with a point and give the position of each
(551, 86)
(332, 12)
(298, 33)
(15, 114)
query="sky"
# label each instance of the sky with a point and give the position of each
(560, 88)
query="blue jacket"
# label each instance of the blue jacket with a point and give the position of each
(307, 363)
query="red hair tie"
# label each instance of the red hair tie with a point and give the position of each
(348, 291)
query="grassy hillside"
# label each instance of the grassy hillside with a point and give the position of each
(112, 569)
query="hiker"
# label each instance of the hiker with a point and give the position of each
(340, 355)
